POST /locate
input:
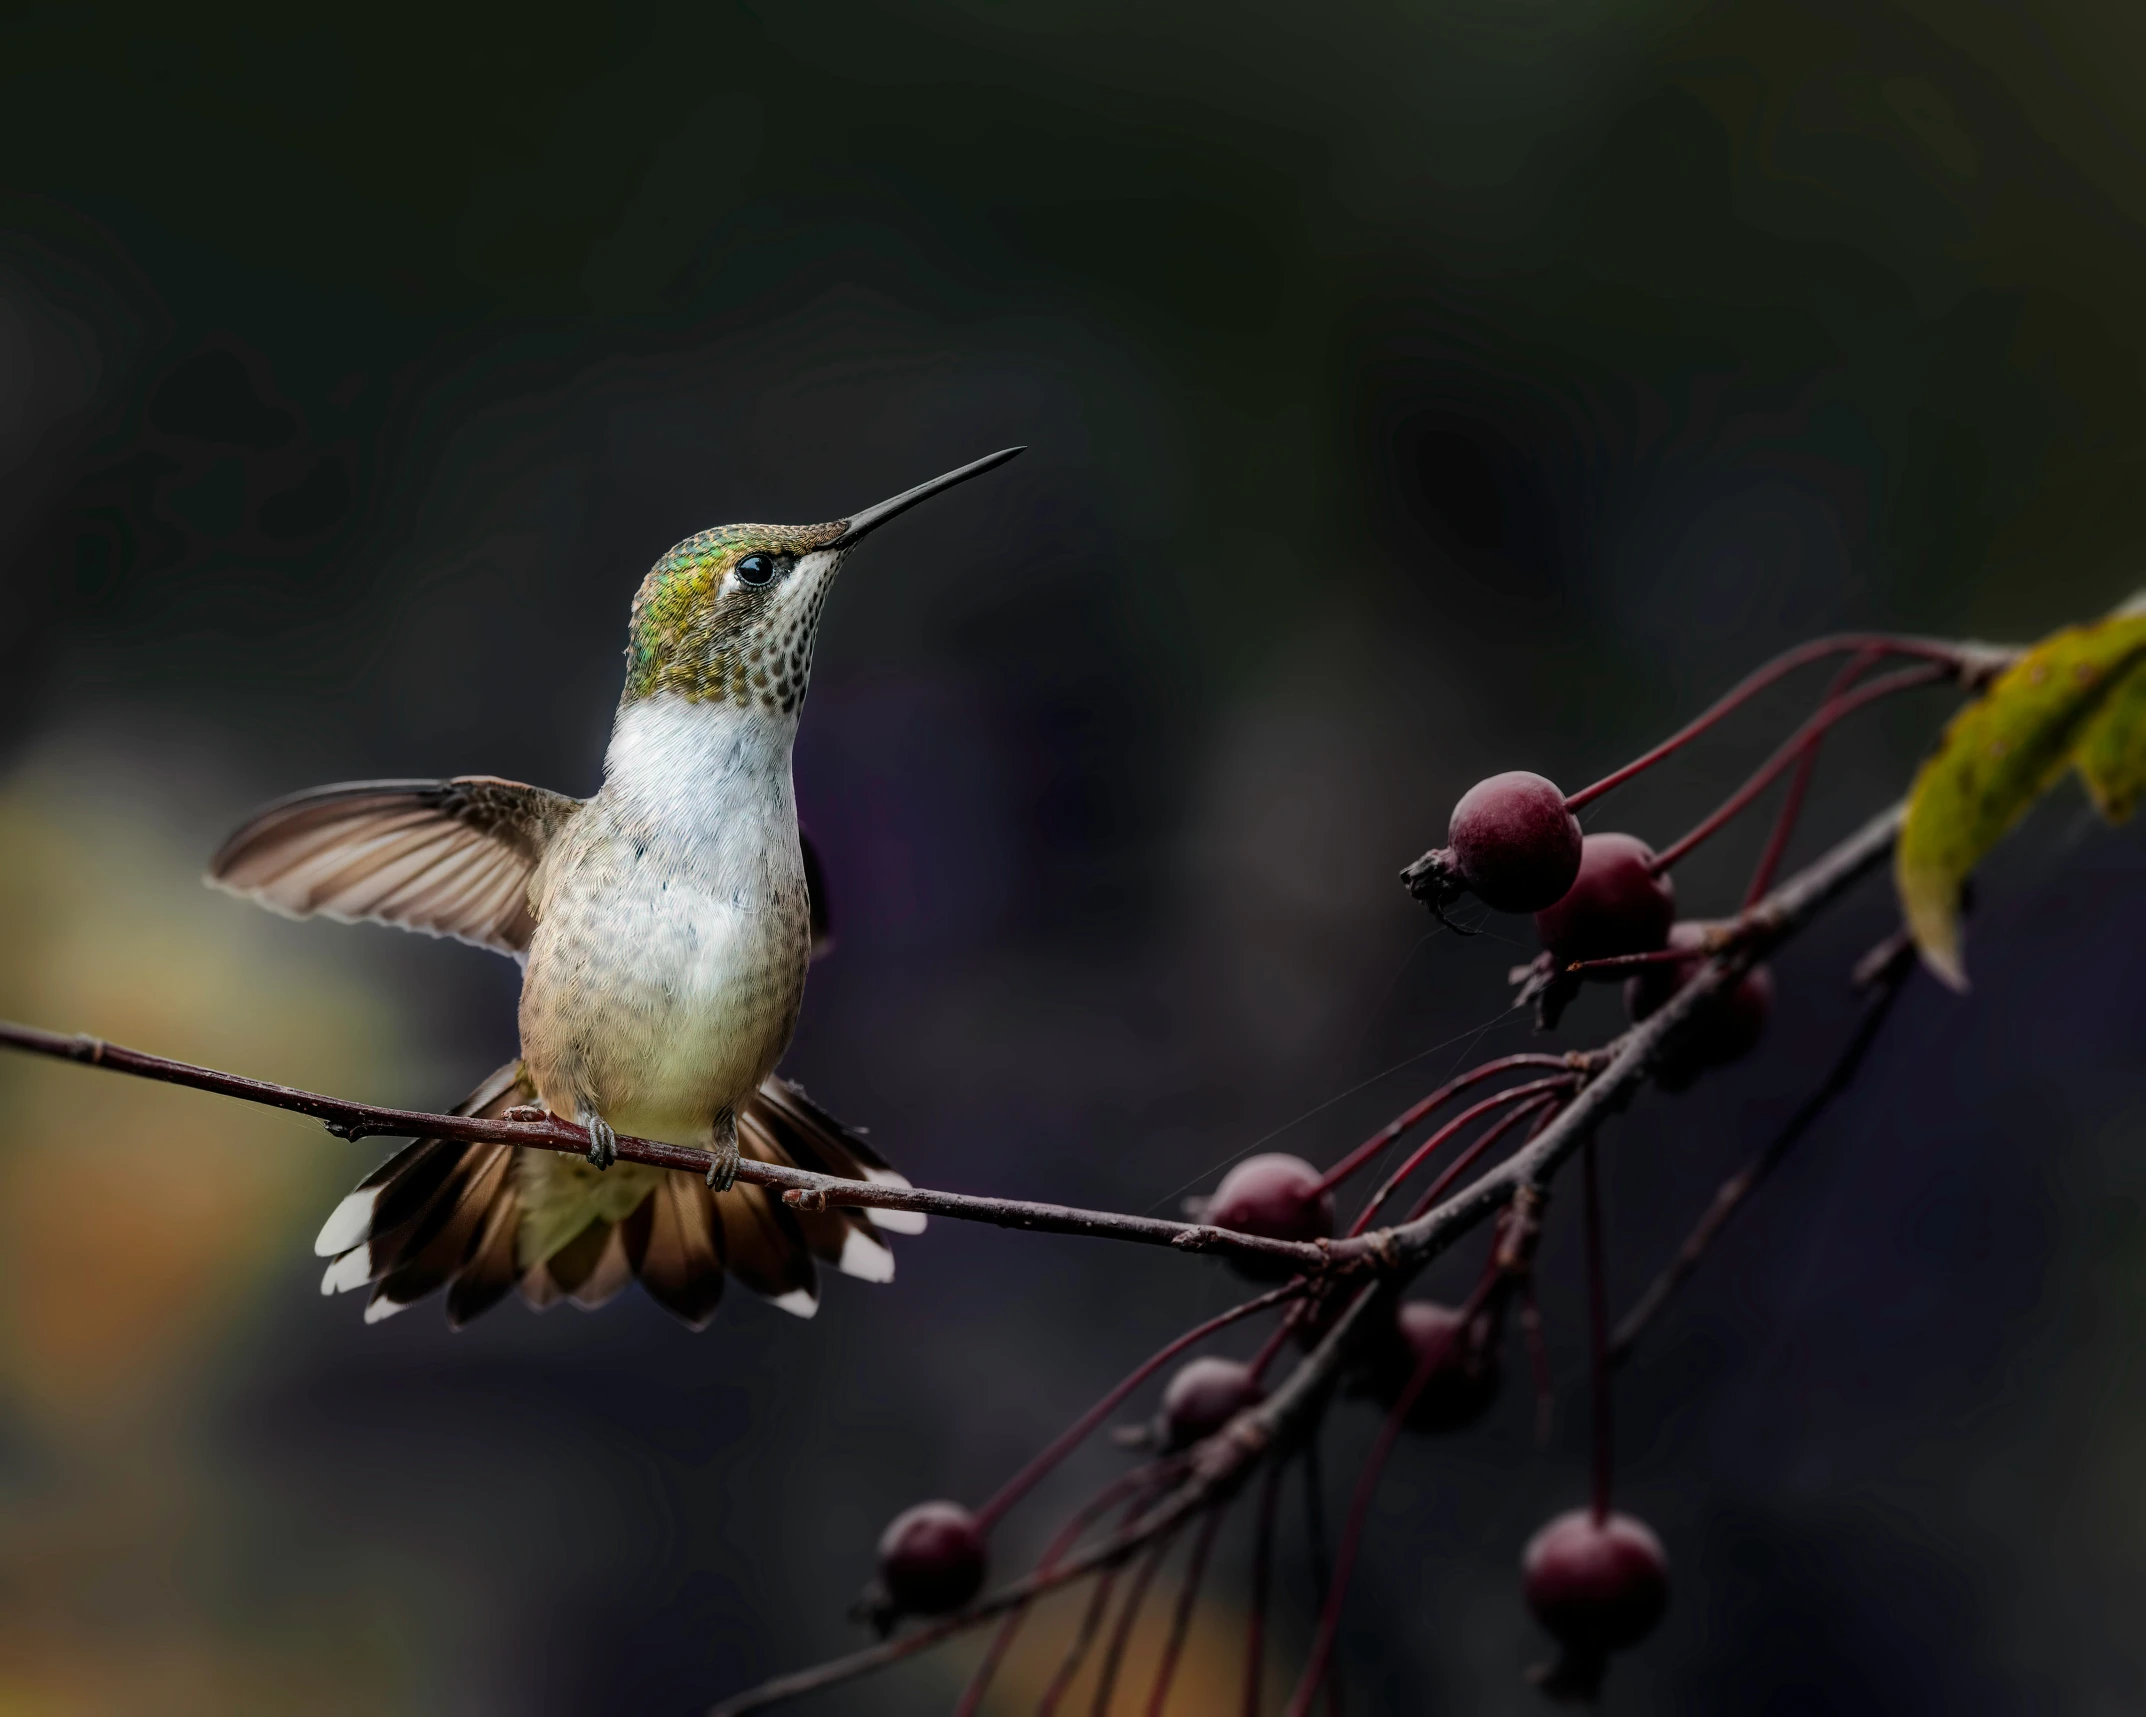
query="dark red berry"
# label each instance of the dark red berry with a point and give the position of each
(1277, 1196)
(931, 1559)
(1513, 842)
(1598, 1586)
(1205, 1395)
(1463, 1378)
(1615, 906)
(1725, 1028)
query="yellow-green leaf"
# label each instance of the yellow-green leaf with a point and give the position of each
(1999, 755)
(2112, 753)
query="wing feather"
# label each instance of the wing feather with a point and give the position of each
(450, 858)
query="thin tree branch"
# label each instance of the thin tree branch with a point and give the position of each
(350, 1120)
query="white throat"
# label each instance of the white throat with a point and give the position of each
(702, 773)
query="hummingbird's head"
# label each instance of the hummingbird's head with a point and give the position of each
(731, 615)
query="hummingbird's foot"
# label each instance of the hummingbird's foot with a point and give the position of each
(723, 1172)
(603, 1142)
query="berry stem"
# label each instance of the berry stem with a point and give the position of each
(1074, 1434)
(1758, 680)
(1417, 1158)
(1188, 1592)
(1538, 1346)
(1091, 1622)
(1067, 1536)
(1315, 1533)
(1276, 1338)
(1136, 1594)
(1255, 1629)
(1792, 748)
(1542, 1108)
(1799, 785)
(1352, 1532)
(1598, 1359)
(1408, 1117)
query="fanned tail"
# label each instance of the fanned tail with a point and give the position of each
(444, 1214)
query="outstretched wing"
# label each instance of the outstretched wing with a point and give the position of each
(450, 858)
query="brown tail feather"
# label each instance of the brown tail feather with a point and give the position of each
(681, 1265)
(440, 1244)
(489, 1274)
(816, 1140)
(441, 1214)
(611, 1273)
(843, 1238)
(765, 1249)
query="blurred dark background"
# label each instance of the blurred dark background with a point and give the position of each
(1413, 392)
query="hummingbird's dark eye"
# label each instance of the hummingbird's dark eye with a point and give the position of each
(756, 570)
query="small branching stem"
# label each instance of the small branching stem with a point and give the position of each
(1255, 1627)
(1966, 661)
(1136, 1597)
(1188, 1593)
(1799, 784)
(1466, 1118)
(1026, 1480)
(1539, 1110)
(1791, 749)
(1132, 1484)
(1417, 1112)
(1367, 1482)
(1598, 1359)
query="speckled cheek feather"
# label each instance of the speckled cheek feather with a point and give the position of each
(696, 637)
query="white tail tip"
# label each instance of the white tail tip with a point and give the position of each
(865, 1258)
(798, 1302)
(352, 1270)
(347, 1224)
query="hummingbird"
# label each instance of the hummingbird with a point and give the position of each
(663, 927)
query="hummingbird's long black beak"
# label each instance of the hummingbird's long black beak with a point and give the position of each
(873, 517)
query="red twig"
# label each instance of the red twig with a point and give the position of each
(1085, 1516)
(1953, 659)
(1106, 1682)
(1255, 1627)
(1322, 1572)
(1352, 1533)
(1181, 1618)
(1422, 1153)
(1076, 1433)
(1408, 1117)
(1541, 1109)
(1538, 1363)
(1792, 748)
(1598, 1361)
(1091, 1618)
(1799, 785)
